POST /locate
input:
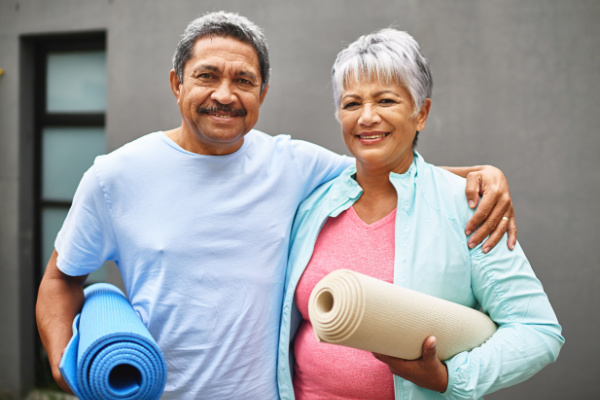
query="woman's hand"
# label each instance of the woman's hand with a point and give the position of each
(428, 371)
(495, 214)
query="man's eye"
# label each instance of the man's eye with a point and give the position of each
(204, 75)
(245, 82)
(351, 105)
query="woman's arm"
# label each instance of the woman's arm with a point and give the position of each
(495, 214)
(528, 336)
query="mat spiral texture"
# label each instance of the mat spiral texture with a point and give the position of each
(111, 354)
(355, 310)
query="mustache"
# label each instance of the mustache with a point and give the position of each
(238, 112)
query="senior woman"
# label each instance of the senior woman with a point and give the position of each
(397, 218)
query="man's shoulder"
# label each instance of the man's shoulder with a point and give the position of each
(131, 157)
(300, 151)
(332, 193)
(136, 147)
(261, 137)
(281, 140)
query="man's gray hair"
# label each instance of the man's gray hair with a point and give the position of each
(228, 25)
(389, 55)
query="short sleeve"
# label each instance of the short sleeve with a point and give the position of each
(317, 165)
(86, 239)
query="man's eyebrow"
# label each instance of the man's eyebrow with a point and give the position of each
(250, 75)
(244, 73)
(205, 68)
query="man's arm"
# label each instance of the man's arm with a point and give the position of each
(60, 298)
(495, 214)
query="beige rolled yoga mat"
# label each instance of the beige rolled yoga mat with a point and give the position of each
(355, 310)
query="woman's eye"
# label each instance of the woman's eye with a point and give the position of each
(352, 104)
(387, 101)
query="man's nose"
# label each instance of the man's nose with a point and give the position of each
(223, 93)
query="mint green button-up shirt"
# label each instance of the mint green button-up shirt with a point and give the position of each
(432, 256)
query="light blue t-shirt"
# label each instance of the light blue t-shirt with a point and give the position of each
(201, 243)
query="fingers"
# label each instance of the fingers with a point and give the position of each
(494, 216)
(472, 190)
(429, 349)
(486, 210)
(389, 359)
(506, 224)
(488, 217)
(480, 215)
(512, 233)
(428, 371)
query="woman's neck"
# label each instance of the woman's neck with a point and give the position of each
(379, 197)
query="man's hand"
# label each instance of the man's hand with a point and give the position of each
(495, 214)
(59, 378)
(428, 371)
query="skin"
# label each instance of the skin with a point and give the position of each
(60, 298)
(378, 129)
(428, 371)
(223, 75)
(378, 126)
(495, 204)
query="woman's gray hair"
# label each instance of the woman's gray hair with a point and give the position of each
(223, 24)
(390, 55)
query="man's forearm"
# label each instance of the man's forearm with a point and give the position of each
(464, 171)
(60, 298)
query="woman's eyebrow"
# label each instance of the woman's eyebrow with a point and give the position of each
(387, 91)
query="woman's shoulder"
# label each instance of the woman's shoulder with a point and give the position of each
(445, 191)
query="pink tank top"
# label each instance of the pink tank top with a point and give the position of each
(326, 371)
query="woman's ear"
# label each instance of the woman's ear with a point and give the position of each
(423, 114)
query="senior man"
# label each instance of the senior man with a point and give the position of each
(198, 221)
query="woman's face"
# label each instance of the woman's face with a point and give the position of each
(378, 125)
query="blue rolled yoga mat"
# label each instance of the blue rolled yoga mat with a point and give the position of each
(111, 354)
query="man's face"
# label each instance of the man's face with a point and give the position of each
(220, 95)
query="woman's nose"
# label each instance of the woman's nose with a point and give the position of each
(369, 115)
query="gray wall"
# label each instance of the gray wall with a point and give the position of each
(516, 84)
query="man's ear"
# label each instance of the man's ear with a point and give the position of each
(175, 84)
(264, 93)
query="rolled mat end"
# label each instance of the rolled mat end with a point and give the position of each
(111, 354)
(355, 310)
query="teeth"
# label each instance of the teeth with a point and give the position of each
(373, 136)
(222, 116)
